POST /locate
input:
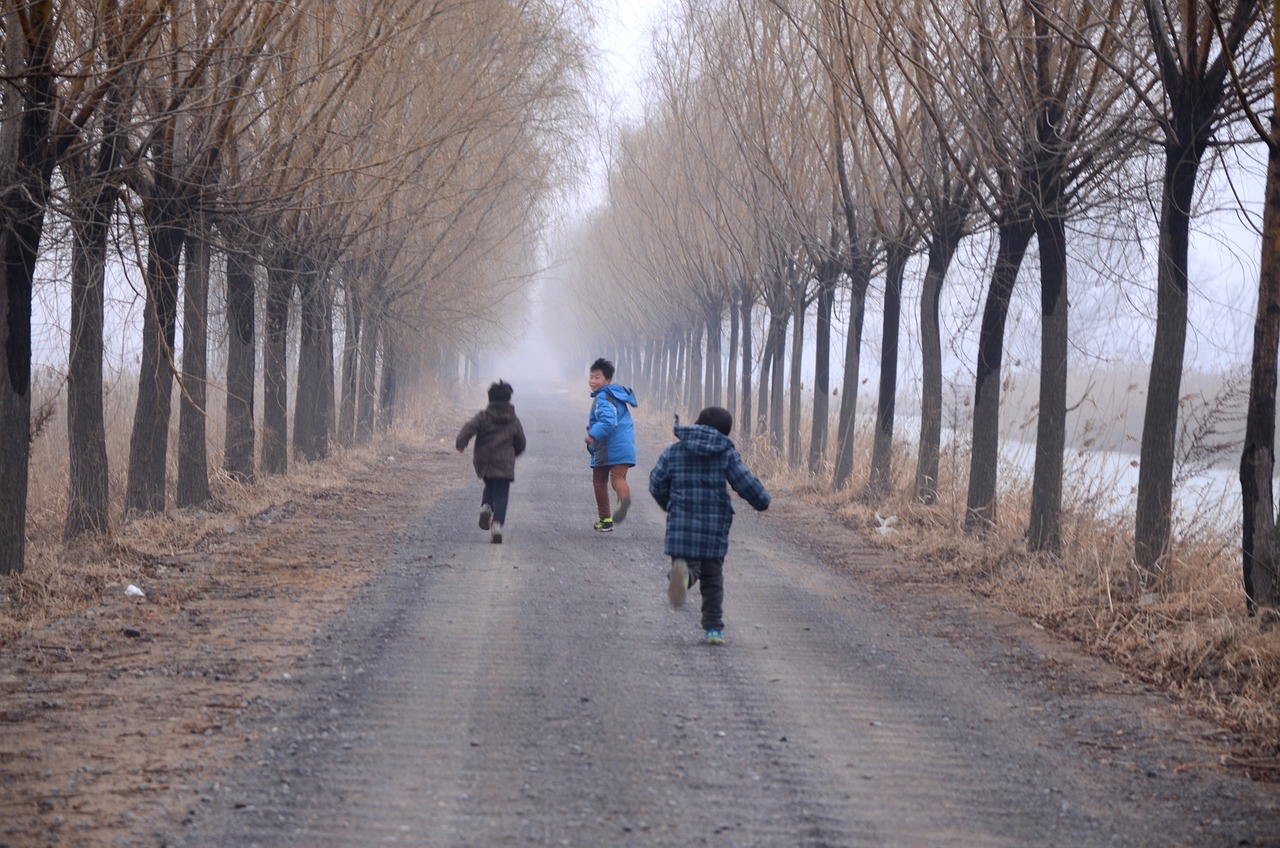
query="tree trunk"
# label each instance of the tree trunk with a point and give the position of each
(275, 371)
(715, 356)
(878, 481)
(859, 280)
(26, 168)
(744, 306)
(350, 371)
(828, 275)
(1257, 461)
(313, 405)
(149, 443)
(731, 379)
(778, 376)
(694, 373)
(88, 508)
(980, 513)
(795, 389)
(390, 380)
(1154, 518)
(193, 458)
(239, 436)
(941, 251)
(1045, 530)
(763, 407)
(366, 406)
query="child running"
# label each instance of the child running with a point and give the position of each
(688, 482)
(499, 440)
(611, 439)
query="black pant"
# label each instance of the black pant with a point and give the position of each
(709, 575)
(496, 494)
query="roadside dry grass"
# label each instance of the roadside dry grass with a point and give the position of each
(1190, 635)
(62, 580)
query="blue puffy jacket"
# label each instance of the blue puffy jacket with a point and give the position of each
(611, 426)
(688, 482)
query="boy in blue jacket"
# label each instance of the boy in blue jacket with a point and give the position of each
(611, 439)
(688, 482)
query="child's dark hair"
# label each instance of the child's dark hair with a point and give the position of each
(718, 417)
(604, 366)
(500, 392)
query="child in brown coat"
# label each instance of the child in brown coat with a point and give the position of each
(499, 440)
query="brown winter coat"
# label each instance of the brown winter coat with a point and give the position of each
(499, 440)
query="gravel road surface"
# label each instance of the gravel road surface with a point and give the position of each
(542, 692)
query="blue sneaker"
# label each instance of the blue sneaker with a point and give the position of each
(604, 525)
(715, 637)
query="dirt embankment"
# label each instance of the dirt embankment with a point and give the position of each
(122, 716)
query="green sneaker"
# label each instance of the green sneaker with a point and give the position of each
(604, 525)
(495, 532)
(678, 582)
(620, 513)
(486, 515)
(715, 637)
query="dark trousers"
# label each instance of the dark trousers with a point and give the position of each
(709, 575)
(496, 495)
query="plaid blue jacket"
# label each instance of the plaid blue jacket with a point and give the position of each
(688, 482)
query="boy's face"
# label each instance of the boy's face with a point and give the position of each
(597, 381)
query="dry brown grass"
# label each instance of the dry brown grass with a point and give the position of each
(62, 579)
(1190, 635)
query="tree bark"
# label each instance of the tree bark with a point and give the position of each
(731, 379)
(744, 307)
(275, 374)
(193, 458)
(794, 390)
(26, 169)
(980, 511)
(694, 390)
(878, 481)
(149, 443)
(941, 251)
(350, 371)
(313, 398)
(239, 435)
(390, 381)
(859, 280)
(1045, 530)
(1154, 518)
(777, 373)
(366, 406)
(828, 275)
(1257, 461)
(88, 506)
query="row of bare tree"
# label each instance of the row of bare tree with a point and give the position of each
(372, 173)
(798, 150)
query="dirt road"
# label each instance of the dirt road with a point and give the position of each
(543, 693)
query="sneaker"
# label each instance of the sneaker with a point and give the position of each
(715, 637)
(620, 513)
(495, 533)
(604, 525)
(486, 515)
(678, 582)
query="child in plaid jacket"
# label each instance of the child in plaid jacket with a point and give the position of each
(688, 482)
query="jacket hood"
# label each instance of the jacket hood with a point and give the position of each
(620, 393)
(501, 411)
(703, 440)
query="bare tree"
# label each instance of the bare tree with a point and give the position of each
(1190, 107)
